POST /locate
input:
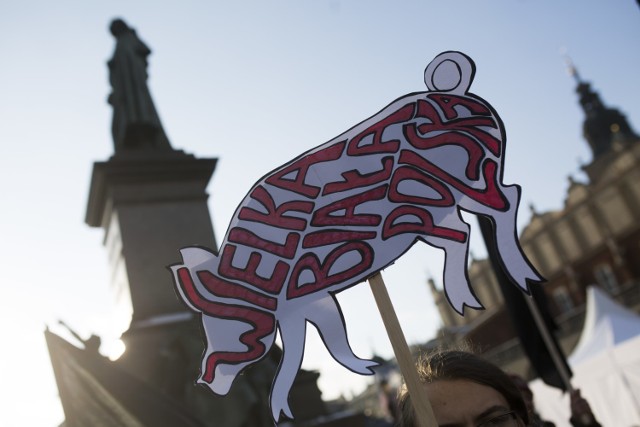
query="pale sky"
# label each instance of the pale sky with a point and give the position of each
(255, 83)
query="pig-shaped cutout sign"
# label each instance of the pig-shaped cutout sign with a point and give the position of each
(339, 213)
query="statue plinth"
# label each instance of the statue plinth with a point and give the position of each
(120, 176)
(150, 203)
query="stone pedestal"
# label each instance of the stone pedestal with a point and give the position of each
(150, 204)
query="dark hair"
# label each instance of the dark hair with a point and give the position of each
(462, 365)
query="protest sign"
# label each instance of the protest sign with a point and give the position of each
(338, 214)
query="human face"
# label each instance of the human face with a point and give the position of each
(462, 403)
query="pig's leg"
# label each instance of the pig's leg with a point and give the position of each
(326, 316)
(456, 282)
(512, 258)
(292, 332)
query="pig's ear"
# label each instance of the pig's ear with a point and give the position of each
(450, 72)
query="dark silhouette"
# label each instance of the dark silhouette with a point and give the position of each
(91, 344)
(136, 124)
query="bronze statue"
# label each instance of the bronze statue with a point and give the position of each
(136, 124)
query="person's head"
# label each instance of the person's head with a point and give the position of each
(525, 391)
(465, 390)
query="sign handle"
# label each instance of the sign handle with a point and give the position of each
(419, 400)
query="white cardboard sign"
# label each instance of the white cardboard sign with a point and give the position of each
(339, 213)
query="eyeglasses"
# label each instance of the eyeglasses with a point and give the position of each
(508, 419)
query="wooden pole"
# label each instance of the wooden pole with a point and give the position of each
(422, 407)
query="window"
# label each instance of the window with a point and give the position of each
(562, 299)
(606, 278)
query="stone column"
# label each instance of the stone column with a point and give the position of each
(150, 204)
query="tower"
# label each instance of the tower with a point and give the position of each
(150, 199)
(605, 129)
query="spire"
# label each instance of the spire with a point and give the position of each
(571, 68)
(432, 286)
(604, 128)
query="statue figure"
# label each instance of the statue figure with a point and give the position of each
(136, 124)
(91, 344)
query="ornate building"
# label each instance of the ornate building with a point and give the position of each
(594, 239)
